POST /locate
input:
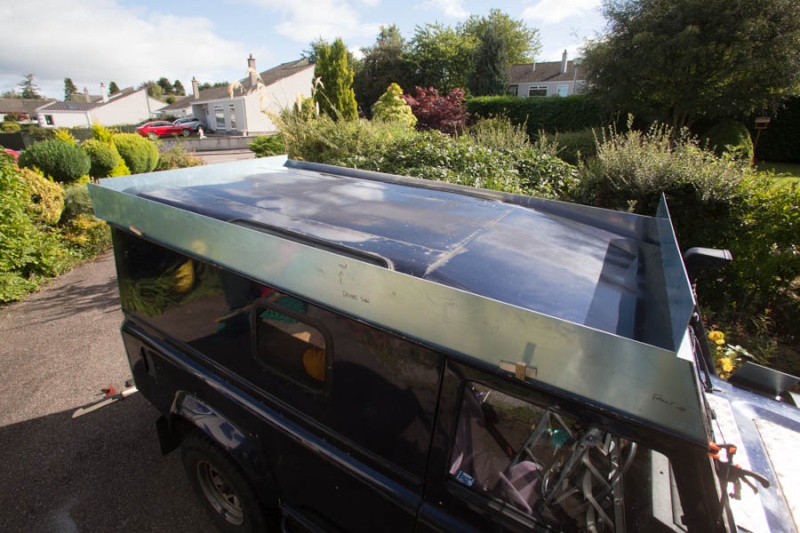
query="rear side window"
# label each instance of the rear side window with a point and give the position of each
(291, 343)
(539, 463)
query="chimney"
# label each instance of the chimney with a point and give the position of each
(251, 69)
(104, 93)
(564, 62)
(195, 89)
(86, 94)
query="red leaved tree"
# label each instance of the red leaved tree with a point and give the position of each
(434, 112)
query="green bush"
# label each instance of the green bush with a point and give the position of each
(139, 154)
(76, 202)
(10, 127)
(390, 107)
(576, 146)
(732, 137)
(62, 161)
(45, 197)
(104, 157)
(499, 134)
(544, 175)
(178, 157)
(268, 145)
(551, 115)
(28, 253)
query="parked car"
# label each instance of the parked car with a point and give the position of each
(191, 122)
(346, 350)
(12, 153)
(163, 128)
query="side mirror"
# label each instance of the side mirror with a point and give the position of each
(697, 260)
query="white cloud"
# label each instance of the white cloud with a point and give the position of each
(555, 11)
(305, 21)
(450, 8)
(93, 41)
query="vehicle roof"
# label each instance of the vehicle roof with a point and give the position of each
(524, 256)
(590, 301)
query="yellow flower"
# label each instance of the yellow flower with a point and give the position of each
(716, 336)
(726, 363)
(720, 342)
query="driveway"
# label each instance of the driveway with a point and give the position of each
(100, 472)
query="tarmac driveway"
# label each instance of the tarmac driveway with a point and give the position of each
(103, 471)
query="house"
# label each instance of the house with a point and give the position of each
(549, 78)
(22, 108)
(128, 106)
(239, 107)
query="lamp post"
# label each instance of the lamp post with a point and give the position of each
(761, 124)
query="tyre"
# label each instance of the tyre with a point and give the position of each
(186, 132)
(222, 486)
(152, 136)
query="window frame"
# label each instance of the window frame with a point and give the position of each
(261, 304)
(537, 88)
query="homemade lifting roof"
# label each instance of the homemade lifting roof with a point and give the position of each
(590, 301)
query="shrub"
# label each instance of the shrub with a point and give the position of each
(576, 146)
(120, 170)
(64, 135)
(104, 157)
(101, 133)
(499, 134)
(10, 127)
(732, 137)
(544, 175)
(552, 115)
(62, 161)
(442, 113)
(268, 145)
(139, 154)
(391, 107)
(76, 202)
(28, 254)
(45, 197)
(178, 157)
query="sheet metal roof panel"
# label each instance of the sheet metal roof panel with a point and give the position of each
(637, 379)
(538, 261)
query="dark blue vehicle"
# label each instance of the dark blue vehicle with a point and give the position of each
(339, 350)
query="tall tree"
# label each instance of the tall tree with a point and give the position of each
(521, 42)
(166, 86)
(440, 57)
(677, 60)
(335, 72)
(490, 73)
(382, 64)
(28, 88)
(70, 89)
(178, 88)
(113, 88)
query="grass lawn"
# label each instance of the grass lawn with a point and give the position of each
(785, 173)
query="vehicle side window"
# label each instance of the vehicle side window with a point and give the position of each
(289, 342)
(570, 475)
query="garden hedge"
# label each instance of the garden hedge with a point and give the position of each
(552, 114)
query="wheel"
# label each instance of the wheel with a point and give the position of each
(152, 136)
(222, 486)
(186, 132)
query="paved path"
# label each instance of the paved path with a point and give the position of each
(101, 472)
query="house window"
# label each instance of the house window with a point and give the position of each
(232, 115)
(513, 90)
(563, 89)
(49, 120)
(219, 114)
(537, 90)
(289, 342)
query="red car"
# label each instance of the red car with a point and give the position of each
(12, 153)
(162, 128)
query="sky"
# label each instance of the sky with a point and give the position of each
(132, 41)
